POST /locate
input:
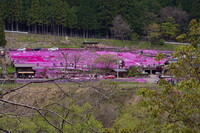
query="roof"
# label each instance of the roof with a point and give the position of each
(119, 70)
(173, 60)
(166, 76)
(149, 68)
(30, 72)
(24, 65)
(90, 42)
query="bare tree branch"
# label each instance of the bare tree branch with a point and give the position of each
(38, 110)
(15, 89)
(3, 130)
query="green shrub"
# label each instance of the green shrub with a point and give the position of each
(10, 70)
(1, 71)
(161, 42)
(134, 36)
(133, 71)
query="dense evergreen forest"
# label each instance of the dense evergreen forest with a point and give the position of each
(100, 18)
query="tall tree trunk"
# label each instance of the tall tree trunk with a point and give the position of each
(12, 27)
(84, 33)
(51, 29)
(58, 30)
(87, 33)
(54, 31)
(42, 26)
(46, 29)
(62, 33)
(107, 34)
(17, 26)
(71, 34)
(35, 29)
(29, 29)
(76, 32)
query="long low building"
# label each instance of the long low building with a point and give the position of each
(24, 70)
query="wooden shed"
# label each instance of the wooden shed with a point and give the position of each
(24, 70)
(90, 44)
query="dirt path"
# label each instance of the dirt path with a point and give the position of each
(152, 78)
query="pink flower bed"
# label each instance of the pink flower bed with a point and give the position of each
(132, 79)
(140, 80)
(55, 59)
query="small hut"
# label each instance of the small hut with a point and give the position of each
(24, 70)
(90, 44)
(120, 72)
(149, 69)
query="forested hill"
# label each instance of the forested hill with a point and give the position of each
(99, 18)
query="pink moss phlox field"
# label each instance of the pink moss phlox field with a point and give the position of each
(133, 79)
(57, 61)
(140, 80)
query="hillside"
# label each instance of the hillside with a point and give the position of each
(98, 18)
(16, 40)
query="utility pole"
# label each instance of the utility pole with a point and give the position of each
(117, 64)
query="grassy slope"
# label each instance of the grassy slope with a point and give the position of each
(40, 95)
(41, 89)
(31, 41)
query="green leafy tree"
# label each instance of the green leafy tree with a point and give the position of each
(181, 38)
(159, 56)
(11, 70)
(106, 15)
(34, 14)
(195, 10)
(70, 17)
(17, 12)
(87, 16)
(172, 108)
(9, 14)
(2, 10)
(194, 34)
(92, 17)
(169, 28)
(133, 71)
(180, 17)
(165, 3)
(2, 34)
(152, 6)
(153, 33)
(47, 14)
(187, 66)
(176, 107)
(59, 14)
(185, 5)
(135, 13)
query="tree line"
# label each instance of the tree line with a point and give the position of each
(97, 18)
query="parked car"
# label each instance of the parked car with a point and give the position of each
(52, 49)
(36, 49)
(110, 77)
(21, 49)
